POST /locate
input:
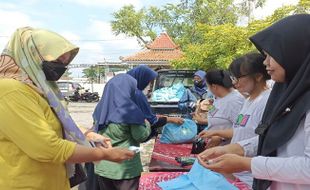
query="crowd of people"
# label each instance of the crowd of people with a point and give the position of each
(255, 133)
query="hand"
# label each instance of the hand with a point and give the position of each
(207, 134)
(213, 141)
(159, 115)
(117, 154)
(195, 116)
(218, 151)
(99, 139)
(212, 153)
(227, 163)
(176, 120)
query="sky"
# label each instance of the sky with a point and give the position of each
(86, 23)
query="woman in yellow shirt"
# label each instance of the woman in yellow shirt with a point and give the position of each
(38, 138)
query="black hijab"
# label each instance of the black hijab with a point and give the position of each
(288, 42)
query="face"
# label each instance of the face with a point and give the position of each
(64, 58)
(244, 84)
(197, 78)
(274, 69)
(213, 89)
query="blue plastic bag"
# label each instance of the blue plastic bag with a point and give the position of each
(173, 133)
(199, 178)
(169, 94)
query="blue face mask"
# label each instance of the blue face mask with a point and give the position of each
(53, 70)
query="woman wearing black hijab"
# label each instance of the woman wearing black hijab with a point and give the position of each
(283, 149)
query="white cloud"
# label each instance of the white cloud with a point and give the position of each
(103, 30)
(113, 4)
(7, 6)
(271, 6)
(70, 36)
(10, 21)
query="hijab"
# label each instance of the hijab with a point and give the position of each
(288, 42)
(200, 89)
(20, 60)
(144, 75)
(117, 104)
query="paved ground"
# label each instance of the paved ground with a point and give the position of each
(82, 115)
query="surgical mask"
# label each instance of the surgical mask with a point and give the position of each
(53, 70)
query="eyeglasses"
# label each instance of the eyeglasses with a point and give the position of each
(236, 79)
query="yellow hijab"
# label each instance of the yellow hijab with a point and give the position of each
(21, 60)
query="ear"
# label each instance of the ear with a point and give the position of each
(214, 86)
(259, 77)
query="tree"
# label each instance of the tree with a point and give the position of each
(246, 7)
(128, 21)
(67, 73)
(179, 20)
(221, 45)
(303, 6)
(94, 73)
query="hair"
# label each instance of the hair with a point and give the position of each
(219, 77)
(249, 64)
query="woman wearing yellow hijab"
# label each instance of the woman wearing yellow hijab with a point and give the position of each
(37, 135)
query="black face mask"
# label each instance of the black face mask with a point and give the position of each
(53, 70)
(199, 84)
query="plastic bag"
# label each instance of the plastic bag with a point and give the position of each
(173, 133)
(199, 178)
(170, 94)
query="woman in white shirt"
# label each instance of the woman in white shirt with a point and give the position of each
(226, 106)
(249, 77)
(283, 147)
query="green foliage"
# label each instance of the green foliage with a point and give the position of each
(93, 73)
(67, 73)
(206, 30)
(303, 6)
(221, 45)
(128, 21)
(246, 7)
(179, 21)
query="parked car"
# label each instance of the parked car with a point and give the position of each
(68, 88)
(167, 78)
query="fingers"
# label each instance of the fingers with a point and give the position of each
(130, 154)
(202, 133)
(180, 121)
(210, 153)
(202, 161)
(211, 164)
(107, 143)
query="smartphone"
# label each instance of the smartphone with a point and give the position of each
(135, 149)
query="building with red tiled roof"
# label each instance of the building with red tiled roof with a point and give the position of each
(158, 53)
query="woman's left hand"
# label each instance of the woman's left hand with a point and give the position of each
(99, 140)
(227, 163)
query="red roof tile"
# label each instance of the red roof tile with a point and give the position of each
(162, 42)
(155, 55)
(162, 49)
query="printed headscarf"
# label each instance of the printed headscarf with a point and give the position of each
(20, 60)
